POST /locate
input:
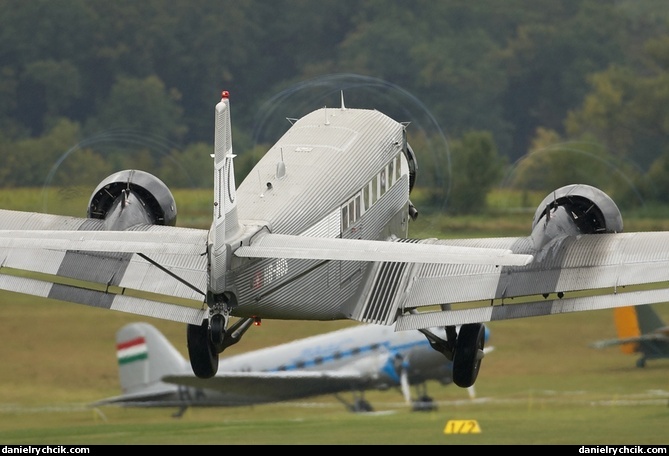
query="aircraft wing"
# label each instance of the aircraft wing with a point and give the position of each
(630, 340)
(153, 396)
(155, 271)
(161, 271)
(261, 387)
(573, 273)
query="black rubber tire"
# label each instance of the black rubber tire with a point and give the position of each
(202, 353)
(466, 363)
(217, 332)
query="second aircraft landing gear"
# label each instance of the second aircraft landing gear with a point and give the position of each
(206, 341)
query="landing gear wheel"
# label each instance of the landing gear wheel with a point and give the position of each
(424, 404)
(217, 331)
(202, 353)
(362, 406)
(468, 354)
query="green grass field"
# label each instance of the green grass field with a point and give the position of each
(542, 384)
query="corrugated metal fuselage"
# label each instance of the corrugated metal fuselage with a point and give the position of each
(335, 173)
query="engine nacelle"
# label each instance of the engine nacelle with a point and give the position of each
(572, 210)
(156, 203)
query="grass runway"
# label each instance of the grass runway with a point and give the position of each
(542, 384)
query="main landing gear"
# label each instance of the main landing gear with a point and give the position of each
(468, 354)
(359, 404)
(206, 341)
(464, 349)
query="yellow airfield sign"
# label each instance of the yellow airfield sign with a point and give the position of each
(462, 427)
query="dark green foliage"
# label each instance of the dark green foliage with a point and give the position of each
(140, 79)
(479, 168)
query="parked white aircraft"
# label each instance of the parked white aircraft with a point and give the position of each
(153, 373)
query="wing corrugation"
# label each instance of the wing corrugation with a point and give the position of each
(25, 286)
(614, 261)
(122, 270)
(143, 276)
(381, 303)
(457, 284)
(99, 299)
(566, 265)
(164, 311)
(17, 220)
(105, 268)
(43, 261)
(126, 270)
(532, 309)
(432, 284)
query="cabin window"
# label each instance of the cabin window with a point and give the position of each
(398, 167)
(391, 174)
(357, 207)
(375, 190)
(365, 197)
(344, 218)
(382, 189)
(351, 212)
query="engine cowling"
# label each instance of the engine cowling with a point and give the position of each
(573, 210)
(156, 203)
(413, 165)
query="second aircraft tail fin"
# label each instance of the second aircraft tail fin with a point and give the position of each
(627, 326)
(649, 320)
(144, 357)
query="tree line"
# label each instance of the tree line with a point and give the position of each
(522, 94)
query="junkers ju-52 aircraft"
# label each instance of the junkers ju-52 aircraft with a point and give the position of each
(318, 230)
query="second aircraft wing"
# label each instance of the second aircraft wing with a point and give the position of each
(259, 387)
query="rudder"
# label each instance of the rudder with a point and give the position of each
(627, 326)
(144, 357)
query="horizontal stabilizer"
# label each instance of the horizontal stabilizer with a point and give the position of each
(304, 247)
(642, 338)
(102, 299)
(144, 399)
(177, 241)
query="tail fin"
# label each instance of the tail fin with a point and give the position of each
(627, 326)
(633, 322)
(145, 356)
(649, 320)
(225, 224)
